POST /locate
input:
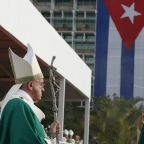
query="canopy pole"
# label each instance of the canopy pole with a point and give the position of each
(61, 105)
(86, 123)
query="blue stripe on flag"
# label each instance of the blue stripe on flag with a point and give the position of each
(101, 50)
(127, 72)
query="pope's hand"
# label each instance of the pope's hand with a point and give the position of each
(54, 129)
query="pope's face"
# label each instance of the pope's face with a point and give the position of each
(37, 89)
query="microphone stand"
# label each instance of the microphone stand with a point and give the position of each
(54, 89)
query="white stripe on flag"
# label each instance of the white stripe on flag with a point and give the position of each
(113, 61)
(139, 66)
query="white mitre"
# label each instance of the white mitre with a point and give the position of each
(24, 70)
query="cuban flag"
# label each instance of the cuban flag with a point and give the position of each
(119, 59)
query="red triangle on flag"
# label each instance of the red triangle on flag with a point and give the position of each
(128, 16)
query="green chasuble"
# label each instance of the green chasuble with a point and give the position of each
(19, 124)
(141, 137)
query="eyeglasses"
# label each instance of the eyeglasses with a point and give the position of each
(42, 84)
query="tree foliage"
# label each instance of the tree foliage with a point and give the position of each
(113, 121)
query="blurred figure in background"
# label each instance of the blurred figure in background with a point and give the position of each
(94, 140)
(77, 139)
(65, 136)
(140, 129)
(70, 137)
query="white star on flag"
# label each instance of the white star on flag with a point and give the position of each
(130, 12)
